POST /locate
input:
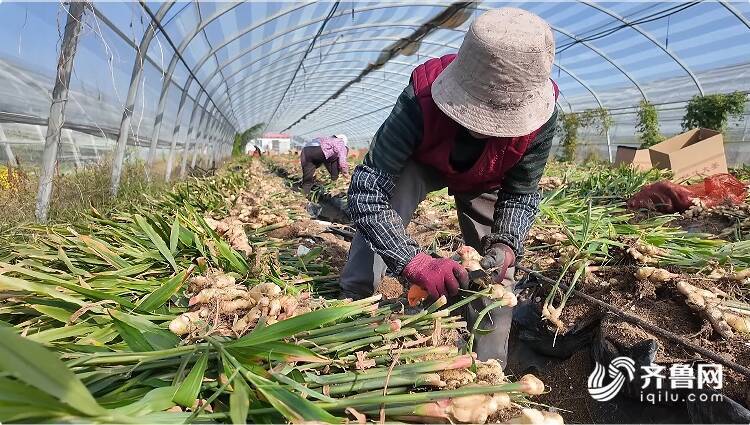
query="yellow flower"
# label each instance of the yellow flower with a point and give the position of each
(4, 178)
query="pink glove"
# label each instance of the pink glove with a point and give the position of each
(437, 276)
(499, 257)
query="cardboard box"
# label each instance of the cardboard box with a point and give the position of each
(698, 152)
(640, 158)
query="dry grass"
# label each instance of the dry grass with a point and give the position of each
(72, 194)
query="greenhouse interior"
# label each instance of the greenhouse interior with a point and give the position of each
(527, 212)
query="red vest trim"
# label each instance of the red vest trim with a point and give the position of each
(439, 136)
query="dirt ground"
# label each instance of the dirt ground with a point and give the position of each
(658, 304)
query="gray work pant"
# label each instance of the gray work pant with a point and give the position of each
(364, 270)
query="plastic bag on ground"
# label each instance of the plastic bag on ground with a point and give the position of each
(719, 189)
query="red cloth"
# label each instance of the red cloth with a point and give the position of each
(663, 196)
(667, 197)
(437, 276)
(439, 136)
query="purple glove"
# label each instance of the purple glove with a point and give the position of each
(437, 276)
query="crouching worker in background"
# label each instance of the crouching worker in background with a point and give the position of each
(329, 151)
(480, 123)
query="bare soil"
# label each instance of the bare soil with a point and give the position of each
(390, 288)
(658, 304)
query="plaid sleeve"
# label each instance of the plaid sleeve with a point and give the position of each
(369, 206)
(514, 215)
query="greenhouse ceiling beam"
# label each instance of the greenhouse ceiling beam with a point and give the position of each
(364, 102)
(247, 82)
(306, 24)
(378, 91)
(651, 38)
(564, 69)
(302, 60)
(274, 37)
(271, 90)
(157, 20)
(448, 14)
(127, 114)
(206, 39)
(100, 16)
(372, 90)
(343, 61)
(371, 121)
(250, 76)
(336, 114)
(391, 95)
(251, 83)
(452, 47)
(346, 29)
(736, 13)
(201, 26)
(255, 82)
(375, 88)
(161, 106)
(346, 120)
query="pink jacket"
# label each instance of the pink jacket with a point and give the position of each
(333, 147)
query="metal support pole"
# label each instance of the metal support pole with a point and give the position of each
(127, 113)
(227, 142)
(170, 157)
(217, 145)
(223, 151)
(189, 138)
(12, 162)
(177, 129)
(57, 109)
(157, 123)
(208, 148)
(199, 131)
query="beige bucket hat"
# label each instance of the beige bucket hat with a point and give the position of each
(499, 84)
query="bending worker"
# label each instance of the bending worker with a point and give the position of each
(480, 123)
(329, 151)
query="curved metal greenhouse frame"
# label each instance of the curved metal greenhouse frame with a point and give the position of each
(192, 75)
